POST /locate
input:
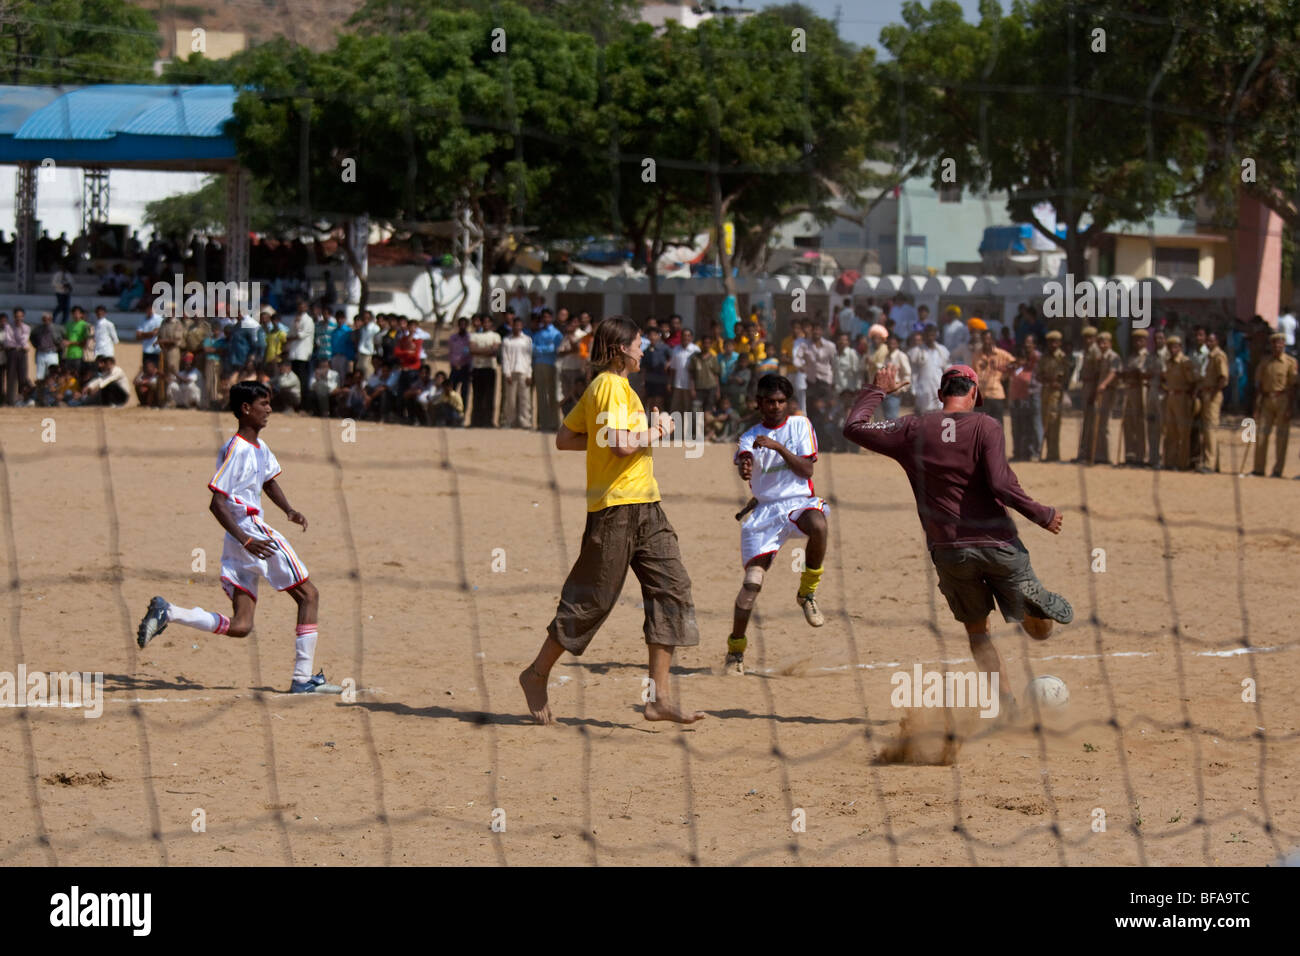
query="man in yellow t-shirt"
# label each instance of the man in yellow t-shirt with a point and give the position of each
(626, 527)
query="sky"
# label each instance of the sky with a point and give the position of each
(862, 20)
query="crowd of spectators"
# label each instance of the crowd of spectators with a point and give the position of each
(526, 371)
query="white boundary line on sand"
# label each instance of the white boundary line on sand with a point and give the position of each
(1234, 652)
(874, 665)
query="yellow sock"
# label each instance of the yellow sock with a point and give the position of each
(736, 645)
(809, 580)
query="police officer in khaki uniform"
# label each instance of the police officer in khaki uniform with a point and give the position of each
(171, 336)
(1108, 369)
(1157, 360)
(1135, 377)
(1275, 381)
(1213, 381)
(1054, 373)
(1088, 375)
(1179, 384)
(197, 331)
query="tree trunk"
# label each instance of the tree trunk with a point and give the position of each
(355, 264)
(1076, 254)
(489, 254)
(656, 247)
(724, 260)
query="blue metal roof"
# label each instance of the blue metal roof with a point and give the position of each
(19, 102)
(164, 125)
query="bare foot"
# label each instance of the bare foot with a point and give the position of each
(534, 685)
(664, 710)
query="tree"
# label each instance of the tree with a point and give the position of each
(755, 121)
(498, 110)
(1237, 78)
(1029, 103)
(204, 212)
(647, 120)
(784, 125)
(52, 42)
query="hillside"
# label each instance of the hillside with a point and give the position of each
(313, 23)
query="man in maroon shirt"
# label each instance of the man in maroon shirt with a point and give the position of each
(956, 462)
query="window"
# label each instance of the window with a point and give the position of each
(1175, 261)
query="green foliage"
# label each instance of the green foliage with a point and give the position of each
(49, 42)
(1023, 103)
(788, 130)
(198, 70)
(1237, 64)
(178, 217)
(204, 212)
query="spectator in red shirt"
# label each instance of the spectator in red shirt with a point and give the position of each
(956, 462)
(1025, 393)
(407, 353)
(674, 336)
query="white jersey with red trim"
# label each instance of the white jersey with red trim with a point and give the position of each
(242, 469)
(772, 479)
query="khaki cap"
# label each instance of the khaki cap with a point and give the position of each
(1139, 333)
(1089, 330)
(1053, 336)
(1173, 340)
(1277, 337)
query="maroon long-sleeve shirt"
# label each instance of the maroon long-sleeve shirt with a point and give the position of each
(961, 484)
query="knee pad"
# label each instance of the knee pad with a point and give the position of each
(748, 595)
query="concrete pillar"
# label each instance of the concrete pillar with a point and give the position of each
(1259, 259)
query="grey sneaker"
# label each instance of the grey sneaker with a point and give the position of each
(1047, 603)
(154, 623)
(734, 666)
(316, 685)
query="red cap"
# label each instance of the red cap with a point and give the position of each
(966, 372)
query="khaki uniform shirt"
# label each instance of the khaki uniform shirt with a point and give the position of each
(1276, 375)
(1215, 377)
(1054, 370)
(1180, 375)
(197, 331)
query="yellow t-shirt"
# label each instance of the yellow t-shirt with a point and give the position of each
(609, 404)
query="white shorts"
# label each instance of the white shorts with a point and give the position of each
(240, 570)
(772, 524)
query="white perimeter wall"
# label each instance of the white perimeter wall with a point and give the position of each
(58, 205)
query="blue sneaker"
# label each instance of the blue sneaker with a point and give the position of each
(316, 685)
(154, 623)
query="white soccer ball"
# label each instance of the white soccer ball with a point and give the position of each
(1049, 691)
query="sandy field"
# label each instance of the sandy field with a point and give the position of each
(201, 758)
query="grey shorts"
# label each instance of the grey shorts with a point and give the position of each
(972, 579)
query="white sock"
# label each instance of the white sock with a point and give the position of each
(304, 652)
(199, 619)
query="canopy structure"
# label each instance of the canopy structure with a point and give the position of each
(97, 128)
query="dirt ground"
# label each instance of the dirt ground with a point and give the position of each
(200, 758)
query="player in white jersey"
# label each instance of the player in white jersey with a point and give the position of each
(246, 467)
(776, 457)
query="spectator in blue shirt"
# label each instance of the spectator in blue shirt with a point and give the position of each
(343, 346)
(324, 347)
(727, 360)
(546, 340)
(655, 365)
